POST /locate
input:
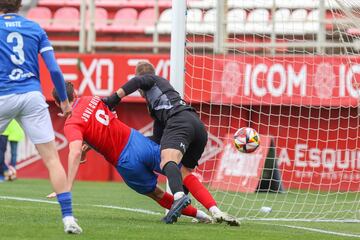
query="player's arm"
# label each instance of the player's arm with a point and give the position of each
(74, 135)
(143, 82)
(84, 150)
(47, 53)
(75, 153)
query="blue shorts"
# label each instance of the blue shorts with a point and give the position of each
(138, 163)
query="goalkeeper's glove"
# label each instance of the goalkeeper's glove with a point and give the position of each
(112, 101)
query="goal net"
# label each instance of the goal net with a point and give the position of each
(289, 69)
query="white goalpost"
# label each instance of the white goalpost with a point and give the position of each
(289, 69)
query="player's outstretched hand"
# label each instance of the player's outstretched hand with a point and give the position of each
(66, 109)
(84, 149)
(112, 101)
(51, 195)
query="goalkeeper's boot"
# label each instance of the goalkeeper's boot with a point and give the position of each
(220, 217)
(70, 226)
(176, 208)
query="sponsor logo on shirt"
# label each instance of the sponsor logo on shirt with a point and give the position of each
(18, 73)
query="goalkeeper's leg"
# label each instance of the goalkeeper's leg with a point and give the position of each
(200, 193)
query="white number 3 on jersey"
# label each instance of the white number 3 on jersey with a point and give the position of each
(18, 49)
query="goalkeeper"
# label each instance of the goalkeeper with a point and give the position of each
(181, 135)
(135, 157)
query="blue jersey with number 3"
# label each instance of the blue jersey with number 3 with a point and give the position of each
(21, 40)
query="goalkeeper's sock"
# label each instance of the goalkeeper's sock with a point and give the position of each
(199, 191)
(65, 201)
(167, 200)
(174, 177)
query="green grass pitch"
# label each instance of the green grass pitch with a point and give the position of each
(36, 220)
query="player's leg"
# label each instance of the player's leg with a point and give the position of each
(10, 174)
(36, 122)
(166, 200)
(3, 143)
(8, 110)
(13, 148)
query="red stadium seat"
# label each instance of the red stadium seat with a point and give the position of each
(110, 3)
(66, 19)
(312, 24)
(165, 3)
(146, 19)
(281, 20)
(51, 3)
(125, 19)
(41, 15)
(236, 21)
(258, 21)
(140, 3)
(297, 22)
(194, 20)
(101, 19)
(164, 23)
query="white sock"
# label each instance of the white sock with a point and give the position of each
(68, 218)
(214, 210)
(178, 195)
(201, 215)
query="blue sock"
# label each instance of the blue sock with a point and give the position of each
(65, 202)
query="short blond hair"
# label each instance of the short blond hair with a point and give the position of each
(143, 68)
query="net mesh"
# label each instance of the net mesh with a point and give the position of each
(288, 69)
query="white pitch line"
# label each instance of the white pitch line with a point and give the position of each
(321, 231)
(301, 220)
(314, 230)
(27, 199)
(137, 210)
(128, 209)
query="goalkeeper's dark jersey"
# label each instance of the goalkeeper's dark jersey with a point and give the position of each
(162, 99)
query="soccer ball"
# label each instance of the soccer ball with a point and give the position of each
(246, 140)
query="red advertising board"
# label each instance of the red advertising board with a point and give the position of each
(240, 172)
(255, 80)
(317, 146)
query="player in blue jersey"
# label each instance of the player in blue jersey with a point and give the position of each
(21, 40)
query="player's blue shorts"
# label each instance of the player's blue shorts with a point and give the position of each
(138, 163)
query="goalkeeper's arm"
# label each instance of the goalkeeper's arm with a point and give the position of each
(143, 82)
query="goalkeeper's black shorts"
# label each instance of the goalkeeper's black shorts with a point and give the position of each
(185, 132)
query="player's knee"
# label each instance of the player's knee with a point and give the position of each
(170, 155)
